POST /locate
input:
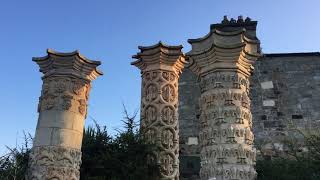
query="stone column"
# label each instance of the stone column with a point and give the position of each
(160, 67)
(223, 61)
(56, 152)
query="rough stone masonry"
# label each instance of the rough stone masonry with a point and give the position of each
(284, 90)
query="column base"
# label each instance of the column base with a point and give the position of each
(54, 163)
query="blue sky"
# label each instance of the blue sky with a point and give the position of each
(110, 31)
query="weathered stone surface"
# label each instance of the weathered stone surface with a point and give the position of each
(223, 62)
(295, 94)
(56, 152)
(295, 79)
(160, 67)
(49, 162)
(189, 93)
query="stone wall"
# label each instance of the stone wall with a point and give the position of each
(285, 88)
(189, 92)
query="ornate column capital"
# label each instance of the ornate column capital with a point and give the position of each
(56, 152)
(229, 46)
(223, 61)
(160, 66)
(160, 56)
(71, 64)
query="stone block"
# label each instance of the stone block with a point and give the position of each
(66, 138)
(269, 102)
(56, 119)
(192, 141)
(267, 85)
(43, 136)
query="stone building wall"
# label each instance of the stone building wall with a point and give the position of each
(189, 92)
(285, 88)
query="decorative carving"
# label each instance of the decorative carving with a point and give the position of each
(150, 135)
(249, 136)
(220, 80)
(159, 104)
(245, 100)
(46, 87)
(168, 138)
(167, 163)
(166, 75)
(151, 115)
(168, 115)
(227, 173)
(59, 156)
(224, 69)
(151, 92)
(67, 102)
(48, 102)
(82, 106)
(168, 93)
(220, 154)
(60, 86)
(78, 87)
(220, 116)
(50, 162)
(65, 90)
(226, 121)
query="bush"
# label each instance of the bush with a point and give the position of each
(14, 164)
(118, 158)
(300, 160)
(104, 157)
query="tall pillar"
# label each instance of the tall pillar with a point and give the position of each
(160, 67)
(56, 152)
(223, 61)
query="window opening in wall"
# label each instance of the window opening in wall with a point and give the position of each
(297, 116)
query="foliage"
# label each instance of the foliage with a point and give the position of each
(118, 158)
(13, 165)
(104, 157)
(123, 156)
(298, 161)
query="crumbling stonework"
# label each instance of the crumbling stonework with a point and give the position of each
(56, 152)
(161, 67)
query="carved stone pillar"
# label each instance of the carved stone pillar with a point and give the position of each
(223, 61)
(160, 67)
(56, 152)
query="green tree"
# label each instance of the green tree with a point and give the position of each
(300, 159)
(14, 164)
(122, 157)
(104, 157)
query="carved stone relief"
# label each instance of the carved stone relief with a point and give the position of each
(50, 162)
(160, 67)
(226, 122)
(64, 94)
(160, 118)
(56, 153)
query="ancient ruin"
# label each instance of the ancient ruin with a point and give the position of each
(284, 91)
(160, 67)
(56, 152)
(223, 62)
(218, 114)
